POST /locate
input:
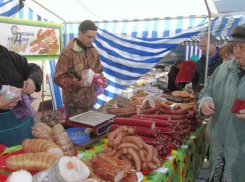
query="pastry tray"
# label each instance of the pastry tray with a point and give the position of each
(91, 118)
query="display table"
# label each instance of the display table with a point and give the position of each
(181, 165)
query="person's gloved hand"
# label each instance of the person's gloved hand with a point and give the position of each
(29, 86)
(6, 104)
(104, 80)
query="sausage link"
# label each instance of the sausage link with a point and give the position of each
(128, 144)
(149, 150)
(113, 134)
(155, 159)
(151, 165)
(118, 139)
(136, 140)
(136, 159)
(120, 152)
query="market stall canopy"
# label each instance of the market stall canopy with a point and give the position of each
(74, 11)
(128, 48)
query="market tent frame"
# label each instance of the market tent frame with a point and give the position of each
(152, 31)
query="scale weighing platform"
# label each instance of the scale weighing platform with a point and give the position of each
(99, 122)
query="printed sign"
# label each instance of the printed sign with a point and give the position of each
(31, 39)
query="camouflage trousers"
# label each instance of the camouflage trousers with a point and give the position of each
(73, 111)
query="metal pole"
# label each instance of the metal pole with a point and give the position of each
(43, 91)
(48, 10)
(208, 43)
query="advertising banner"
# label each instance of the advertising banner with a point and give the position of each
(32, 39)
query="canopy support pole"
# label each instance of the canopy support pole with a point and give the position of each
(48, 10)
(43, 92)
(208, 43)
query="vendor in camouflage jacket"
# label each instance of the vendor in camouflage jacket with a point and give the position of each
(78, 56)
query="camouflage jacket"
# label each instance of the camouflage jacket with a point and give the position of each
(72, 61)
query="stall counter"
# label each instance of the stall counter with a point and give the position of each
(180, 165)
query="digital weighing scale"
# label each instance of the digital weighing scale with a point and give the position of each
(99, 122)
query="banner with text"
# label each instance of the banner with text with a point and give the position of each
(35, 39)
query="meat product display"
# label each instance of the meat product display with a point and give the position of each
(113, 169)
(68, 169)
(134, 122)
(31, 161)
(130, 148)
(42, 131)
(20, 176)
(41, 145)
(62, 139)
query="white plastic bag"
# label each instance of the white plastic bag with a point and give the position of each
(11, 92)
(87, 76)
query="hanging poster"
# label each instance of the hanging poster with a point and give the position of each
(38, 40)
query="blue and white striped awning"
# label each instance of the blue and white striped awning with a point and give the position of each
(129, 49)
(10, 7)
(194, 41)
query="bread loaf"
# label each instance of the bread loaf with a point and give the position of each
(31, 161)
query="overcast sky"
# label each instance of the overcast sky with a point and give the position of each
(229, 5)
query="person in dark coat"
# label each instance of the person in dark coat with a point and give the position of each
(16, 71)
(173, 72)
(214, 60)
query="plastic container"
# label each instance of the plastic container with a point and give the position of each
(76, 138)
(14, 132)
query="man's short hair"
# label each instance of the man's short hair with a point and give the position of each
(205, 34)
(177, 62)
(87, 25)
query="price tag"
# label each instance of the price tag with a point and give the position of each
(169, 158)
(79, 156)
(184, 146)
(162, 170)
(193, 137)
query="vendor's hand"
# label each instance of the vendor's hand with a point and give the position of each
(6, 104)
(208, 108)
(29, 86)
(241, 114)
(104, 80)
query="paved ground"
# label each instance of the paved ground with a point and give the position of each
(43, 110)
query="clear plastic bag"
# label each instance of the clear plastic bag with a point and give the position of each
(23, 107)
(42, 176)
(87, 76)
(11, 92)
